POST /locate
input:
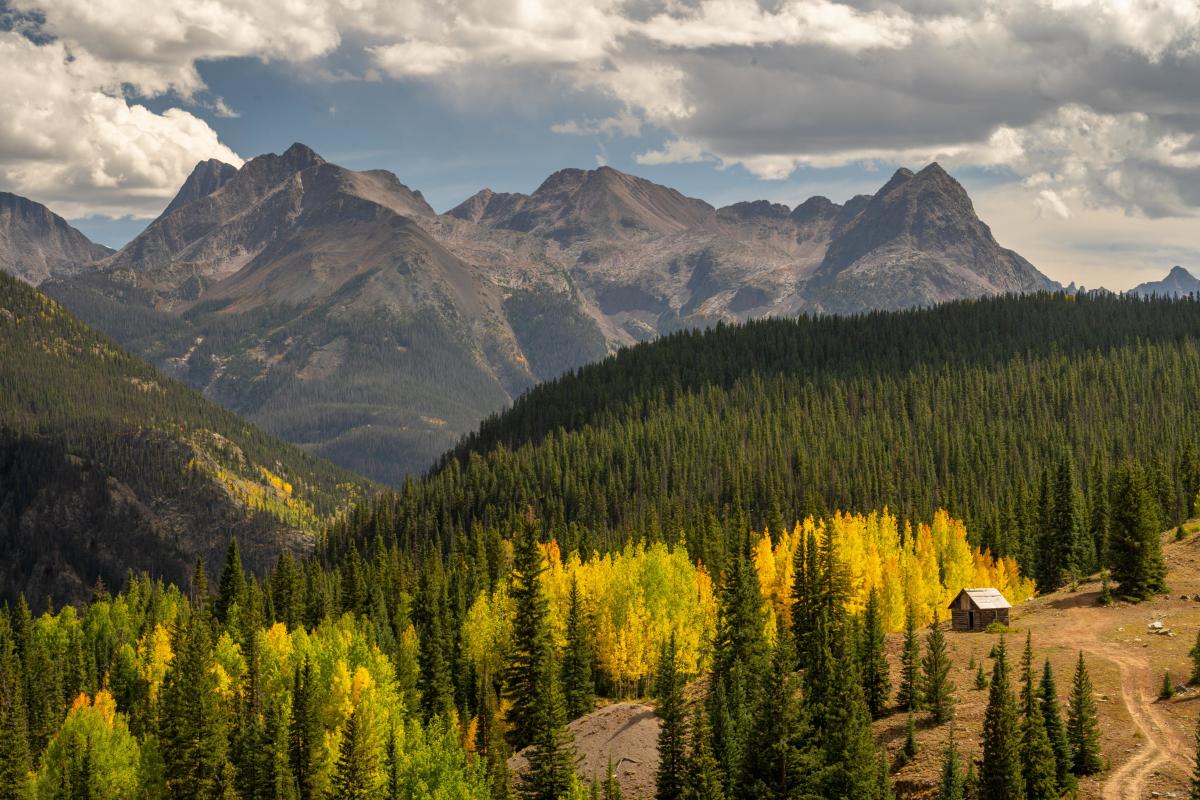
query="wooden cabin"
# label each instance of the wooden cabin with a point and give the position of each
(975, 609)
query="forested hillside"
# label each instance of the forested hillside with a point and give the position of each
(106, 466)
(1011, 413)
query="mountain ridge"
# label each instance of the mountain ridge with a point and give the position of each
(317, 300)
(36, 243)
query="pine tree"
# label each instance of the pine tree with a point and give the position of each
(952, 777)
(910, 748)
(883, 778)
(531, 639)
(15, 761)
(1135, 552)
(355, 773)
(909, 696)
(784, 761)
(552, 752)
(304, 732)
(705, 781)
(192, 719)
(612, 789)
(1037, 754)
(1168, 689)
(845, 731)
(981, 678)
(1060, 550)
(232, 590)
(873, 658)
(578, 684)
(672, 775)
(937, 690)
(1083, 727)
(1000, 776)
(1056, 731)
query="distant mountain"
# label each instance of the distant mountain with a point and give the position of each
(338, 310)
(917, 242)
(36, 243)
(1178, 283)
(323, 304)
(108, 466)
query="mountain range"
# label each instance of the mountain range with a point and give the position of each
(338, 310)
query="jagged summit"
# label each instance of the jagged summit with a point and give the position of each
(207, 177)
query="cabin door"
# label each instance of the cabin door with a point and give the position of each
(971, 620)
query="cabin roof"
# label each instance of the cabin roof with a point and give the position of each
(984, 599)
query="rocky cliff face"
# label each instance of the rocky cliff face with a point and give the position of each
(339, 310)
(36, 243)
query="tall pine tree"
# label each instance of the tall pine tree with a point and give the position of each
(909, 696)
(937, 690)
(1083, 726)
(672, 752)
(1134, 549)
(872, 656)
(578, 683)
(1000, 776)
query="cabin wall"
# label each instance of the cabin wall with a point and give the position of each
(960, 619)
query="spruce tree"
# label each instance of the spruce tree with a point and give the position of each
(304, 732)
(552, 752)
(937, 690)
(672, 775)
(883, 778)
(845, 732)
(1038, 765)
(232, 589)
(192, 720)
(1056, 730)
(612, 789)
(784, 761)
(355, 773)
(578, 683)
(489, 738)
(951, 787)
(909, 696)
(1134, 549)
(15, 760)
(1083, 727)
(1000, 776)
(705, 781)
(873, 661)
(530, 637)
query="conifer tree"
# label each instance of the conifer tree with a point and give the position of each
(909, 696)
(672, 775)
(1037, 754)
(981, 678)
(883, 778)
(1061, 544)
(804, 596)
(952, 778)
(1168, 688)
(531, 639)
(193, 723)
(578, 683)
(1083, 727)
(304, 732)
(873, 658)
(783, 762)
(355, 773)
(15, 762)
(1000, 776)
(1056, 730)
(232, 589)
(848, 744)
(552, 753)
(612, 789)
(1134, 549)
(937, 690)
(705, 781)
(435, 654)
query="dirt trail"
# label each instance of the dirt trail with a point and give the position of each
(1166, 747)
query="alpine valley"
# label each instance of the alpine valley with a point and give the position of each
(338, 310)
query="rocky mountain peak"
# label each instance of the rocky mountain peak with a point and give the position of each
(207, 177)
(815, 208)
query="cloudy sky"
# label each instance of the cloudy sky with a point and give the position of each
(1072, 122)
